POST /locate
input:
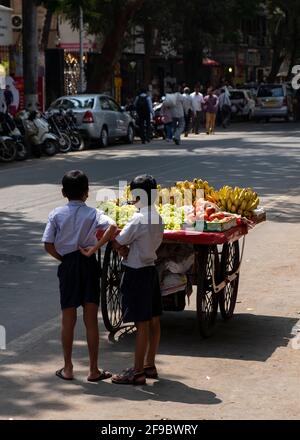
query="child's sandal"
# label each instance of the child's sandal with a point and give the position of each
(151, 372)
(130, 377)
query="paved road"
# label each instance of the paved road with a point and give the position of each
(249, 369)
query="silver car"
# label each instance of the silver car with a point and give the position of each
(274, 101)
(99, 118)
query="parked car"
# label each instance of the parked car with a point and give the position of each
(274, 101)
(242, 103)
(99, 118)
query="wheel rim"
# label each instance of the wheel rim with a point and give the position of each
(113, 294)
(207, 301)
(230, 263)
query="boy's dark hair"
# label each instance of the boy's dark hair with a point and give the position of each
(146, 183)
(75, 185)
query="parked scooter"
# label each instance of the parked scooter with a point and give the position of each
(9, 128)
(38, 135)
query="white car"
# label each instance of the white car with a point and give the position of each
(242, 104)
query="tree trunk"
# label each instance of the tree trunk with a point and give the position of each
(30, 52)
(294, 49)
(148, 41)
(100, 78)
(46, 29)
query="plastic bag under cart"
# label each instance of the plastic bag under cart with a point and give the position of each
(175, 263)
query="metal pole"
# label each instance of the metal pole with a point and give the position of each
(81, 31)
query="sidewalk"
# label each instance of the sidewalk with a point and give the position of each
(249, 369)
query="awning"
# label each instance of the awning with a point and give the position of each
(209, 62)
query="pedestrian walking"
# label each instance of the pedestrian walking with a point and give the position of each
(210, 106)
(144, 109)
(70, 227)
(225, 108)
(188, 110)
(166, 113)
(141, 295)
(9, 97)
(197, 99)
(178, 116)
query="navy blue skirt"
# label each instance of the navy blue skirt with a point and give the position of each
(141, 295)
(79, 280)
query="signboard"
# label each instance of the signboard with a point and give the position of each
(6, 35)
(19, 84)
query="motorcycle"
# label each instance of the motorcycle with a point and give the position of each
(8, 149)
(69, 125)
(9, 128)
(158, 124)
(38, 134)
(55, 121)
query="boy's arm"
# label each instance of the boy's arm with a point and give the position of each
(50, 249)
(107, 236)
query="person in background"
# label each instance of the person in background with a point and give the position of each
(178, 116)
(225, 108)
(144, 109)
(197, 99)
(211, 104)
(166, 113)
(188, 110)
(9, 98)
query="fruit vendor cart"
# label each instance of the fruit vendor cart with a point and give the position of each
(215, 274)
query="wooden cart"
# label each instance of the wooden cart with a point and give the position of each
(218, 257)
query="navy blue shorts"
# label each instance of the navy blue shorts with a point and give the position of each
(141, 295)
(79, 280)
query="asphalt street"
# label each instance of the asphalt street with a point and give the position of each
(249, 369)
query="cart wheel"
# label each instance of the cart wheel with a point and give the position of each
(230, 261)
(111, 306)
(207, 299)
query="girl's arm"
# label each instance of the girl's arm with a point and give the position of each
(107, 236)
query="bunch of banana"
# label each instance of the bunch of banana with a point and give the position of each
(242, 201)
(193, 186)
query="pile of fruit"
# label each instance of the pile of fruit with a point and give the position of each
(188, 202)
(241, 201)
(120, 214)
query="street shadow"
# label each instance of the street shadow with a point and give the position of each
(162, 390)
(245, 337)
(23, 266)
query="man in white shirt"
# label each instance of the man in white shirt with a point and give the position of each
(225, 108)
(198, 100)
(178, 116)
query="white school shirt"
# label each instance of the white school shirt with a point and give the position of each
(198, 100)
(143, 234)
(74, 225)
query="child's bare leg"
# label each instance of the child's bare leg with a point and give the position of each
(141, 344)
(69, 317)
(154, 338)
(90, 317)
